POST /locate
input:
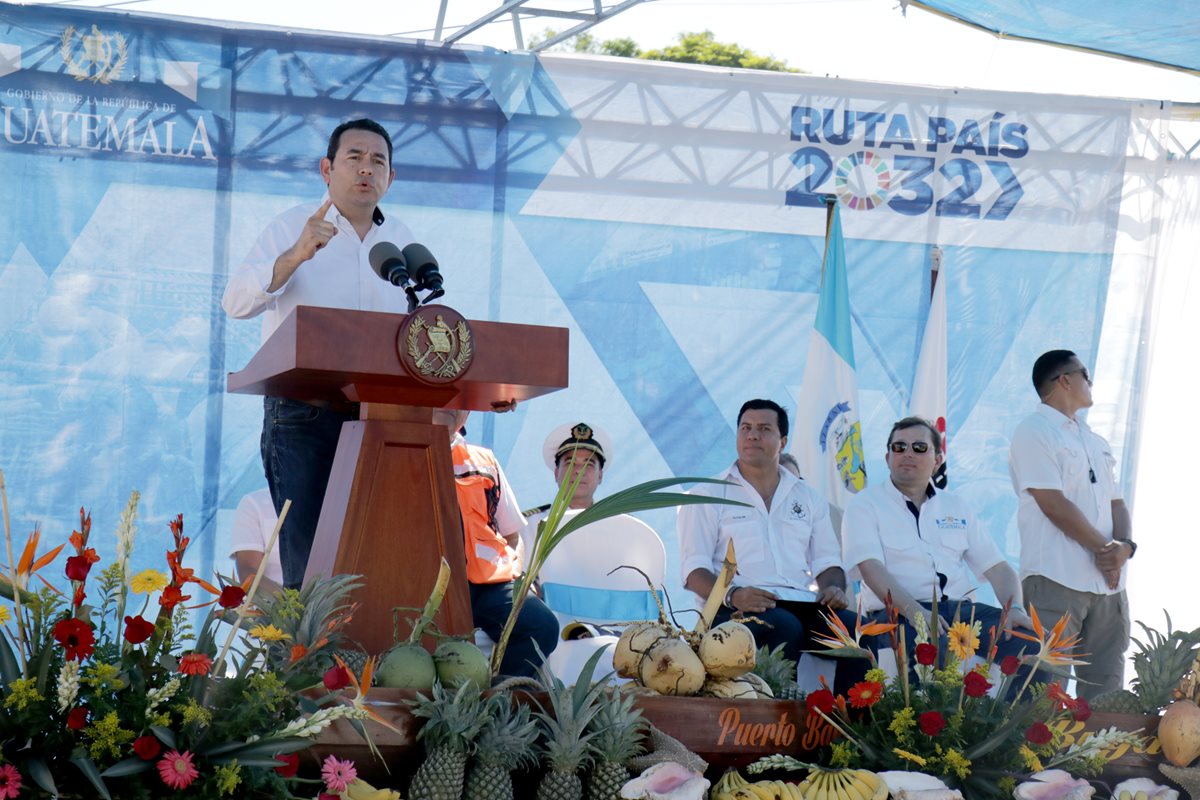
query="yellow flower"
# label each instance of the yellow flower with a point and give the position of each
(956, 762)
(907, 756)
(1032, 762)
(228, 777)
(963, 641)
(5, 616)
(841, 754)
(903, 721)
(100, 676)
(877, 675)
(268, 633)
(193, 712)
(22, 692)
(148, 580)
(108, 737)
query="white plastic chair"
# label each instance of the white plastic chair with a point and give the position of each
(577, 586)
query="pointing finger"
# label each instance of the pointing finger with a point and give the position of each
(324, 209)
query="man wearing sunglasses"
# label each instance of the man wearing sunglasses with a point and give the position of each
(1075, 529)
(906, 538)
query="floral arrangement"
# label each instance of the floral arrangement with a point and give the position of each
(108, 691)
(977, 724)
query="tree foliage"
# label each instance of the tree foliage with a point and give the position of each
(692, 48)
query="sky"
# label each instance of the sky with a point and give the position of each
(856, 39)
(861, 40)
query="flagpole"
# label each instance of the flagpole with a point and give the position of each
(830, 201)
(935, 268)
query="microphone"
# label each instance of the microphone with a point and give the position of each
(391, 264)
(424, 269)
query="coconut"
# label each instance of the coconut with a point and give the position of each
(406, 666)
(1179, 732)
(670, 666)
(633, 644)
(734, 688)
(458, 661)
(728, 650)
(761, 686)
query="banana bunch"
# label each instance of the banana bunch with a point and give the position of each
(843, 784)
(729, 783)
(763, 790)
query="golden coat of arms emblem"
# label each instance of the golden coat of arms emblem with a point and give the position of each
(97, 57)
(435, 344)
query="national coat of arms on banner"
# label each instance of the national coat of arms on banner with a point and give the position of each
(97, 57)
(845, 437)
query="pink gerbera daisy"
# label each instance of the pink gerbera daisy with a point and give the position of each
(338, 774)
(10, 781)
(176, 769)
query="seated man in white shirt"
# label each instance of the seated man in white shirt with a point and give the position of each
(253, 523)
(784, 545)
(904, 537)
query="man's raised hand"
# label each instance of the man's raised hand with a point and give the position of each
(316, 234)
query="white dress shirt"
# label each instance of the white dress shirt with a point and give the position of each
(338, 276)
(781, 550)
(1052, 451)
(944, 537)
(253, 524)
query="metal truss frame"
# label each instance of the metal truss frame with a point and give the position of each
(526, 10)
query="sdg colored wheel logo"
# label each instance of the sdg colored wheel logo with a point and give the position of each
(862, 180)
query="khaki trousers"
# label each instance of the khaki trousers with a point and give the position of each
(1100, 620)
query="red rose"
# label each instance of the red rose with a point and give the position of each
(1038, 734)
(146, 747)
(1083, 711)
(138, 629)
(291, 763)
(926, 654)
(1009, 664)
(77, 719)
(975, 685)
(232, 596)
(336, 678)
(820, 700)
(76, 636)
(931, 723)
(78, 568)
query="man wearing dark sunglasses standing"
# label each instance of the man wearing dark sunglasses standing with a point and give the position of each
(1075, 529)
(906, 538)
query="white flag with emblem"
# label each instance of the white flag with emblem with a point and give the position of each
(827, 440)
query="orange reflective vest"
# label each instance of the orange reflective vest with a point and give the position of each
(477, 479)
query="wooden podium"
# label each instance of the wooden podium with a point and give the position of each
(390, 511)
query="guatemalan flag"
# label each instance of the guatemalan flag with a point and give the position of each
(827, 440)
(929, 382)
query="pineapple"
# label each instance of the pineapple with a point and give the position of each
(564, 727)
(778, 671)
(452, 723)
(619, 730)
(506, 742)
(1159, 664)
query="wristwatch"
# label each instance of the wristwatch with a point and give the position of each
(1132, 546)
(728, 601)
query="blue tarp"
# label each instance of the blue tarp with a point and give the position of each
(1162, 32)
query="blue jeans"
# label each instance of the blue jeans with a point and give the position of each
(298, 444)
(794, 624)
(491, 604)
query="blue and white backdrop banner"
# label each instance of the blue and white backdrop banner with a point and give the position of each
(670, 216)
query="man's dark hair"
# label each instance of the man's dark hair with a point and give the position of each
(766, 405)
(1048, 368)
(369, 125)
(917, 422)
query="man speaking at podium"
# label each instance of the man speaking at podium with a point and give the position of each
(317, 255)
